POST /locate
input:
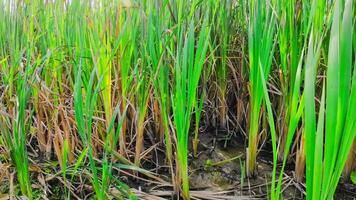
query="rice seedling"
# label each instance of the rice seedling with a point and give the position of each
(156, 52)
(142, 97)
(332, 135)
(261, 36)
(84, 118)
(101, 47)
(223, 32)
(125, 54)
(274, 191)
(184, 93)
(289, 39)
(15, 137)
(296, 100)
(297, 112)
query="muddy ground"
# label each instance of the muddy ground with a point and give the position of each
(216, 173)
(218, 170)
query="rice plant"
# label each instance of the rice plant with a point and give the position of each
(295, 100)
(223, 32)
(15, 137)
(125, 27)
(289, 37)
(100, 44)
(157, 42)
(261, 36)
(142, 97)
(332, 135)
(184, 93)
(84, 117)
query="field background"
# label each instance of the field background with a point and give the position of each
(175, 99)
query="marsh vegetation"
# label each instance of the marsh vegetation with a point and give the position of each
(177, 99)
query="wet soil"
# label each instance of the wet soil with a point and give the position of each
(220, 166)
(209, 171)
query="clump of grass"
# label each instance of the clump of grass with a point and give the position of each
(156, 53)
(187, 72)
(84, 112)
(295, 100)
(142, 97)
(84, 117)
(101, 47)
(261, 35)
(125, 54)
(15, 137)
(313, 26)
(329, 139)
(223, 33)
(290, 39)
